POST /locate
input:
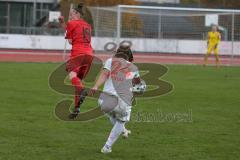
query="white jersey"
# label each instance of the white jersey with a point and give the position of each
(108, 85)
(119, 82)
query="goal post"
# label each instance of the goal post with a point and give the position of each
(167, 29)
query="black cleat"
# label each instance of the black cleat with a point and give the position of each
(74, 114)
(82, 97)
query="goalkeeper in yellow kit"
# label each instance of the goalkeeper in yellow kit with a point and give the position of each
(214, 38)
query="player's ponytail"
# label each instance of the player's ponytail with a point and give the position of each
(125, 52)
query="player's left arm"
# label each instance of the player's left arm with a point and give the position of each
(218, 39)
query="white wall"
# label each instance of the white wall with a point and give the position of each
(13, 41)
(160, 1)
(29, 1)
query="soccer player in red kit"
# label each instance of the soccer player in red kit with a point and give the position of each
(78, 34)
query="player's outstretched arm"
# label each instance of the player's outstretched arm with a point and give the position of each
(62, 22)
(101, 80)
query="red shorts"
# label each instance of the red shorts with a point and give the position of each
(80, 64)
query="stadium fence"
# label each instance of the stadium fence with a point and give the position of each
(169, 25)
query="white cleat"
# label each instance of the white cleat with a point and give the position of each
(126, 133)
(106, 150)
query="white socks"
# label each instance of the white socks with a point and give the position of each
(116, 131)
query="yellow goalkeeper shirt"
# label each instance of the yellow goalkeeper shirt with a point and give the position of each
(214, 38)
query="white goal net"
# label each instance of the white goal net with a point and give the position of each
(166, 29)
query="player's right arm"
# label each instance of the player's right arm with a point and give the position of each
(208, 38)
(69, 31)
(105, 73)
(65, 27)
(102, 79)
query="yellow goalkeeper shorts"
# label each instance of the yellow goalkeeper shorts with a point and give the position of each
(212, 47)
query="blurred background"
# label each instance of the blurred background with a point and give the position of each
(159, 26)
(198, 120)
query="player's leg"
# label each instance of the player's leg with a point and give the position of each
(72, 67)
(124, 116)
(121, 115)
(83, 92)
(126, 132)
(77, 83)
(113, 120)
(81, 74)
(77, 72)
(209, 50)
(116, 131)
(107, 103)
(216, 56)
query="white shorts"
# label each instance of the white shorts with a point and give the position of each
(119, 109)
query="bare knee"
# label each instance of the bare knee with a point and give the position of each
(72, 75)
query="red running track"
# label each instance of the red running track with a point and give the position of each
(57, 56)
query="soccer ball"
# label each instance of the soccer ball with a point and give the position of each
(140, 87)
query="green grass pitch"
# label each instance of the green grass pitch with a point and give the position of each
(30, 131)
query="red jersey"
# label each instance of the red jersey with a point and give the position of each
(79, 31)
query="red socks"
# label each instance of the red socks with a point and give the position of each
(76, 82)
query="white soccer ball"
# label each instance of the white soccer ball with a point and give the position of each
(139, 88)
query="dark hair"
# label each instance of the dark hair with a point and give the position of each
(121, 55)
(79, 8)
(125, 52)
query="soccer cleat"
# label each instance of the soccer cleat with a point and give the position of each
(126, 133)
(106, 149)
(82, 97)
(74, 114)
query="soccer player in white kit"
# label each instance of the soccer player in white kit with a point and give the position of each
(116, 100)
